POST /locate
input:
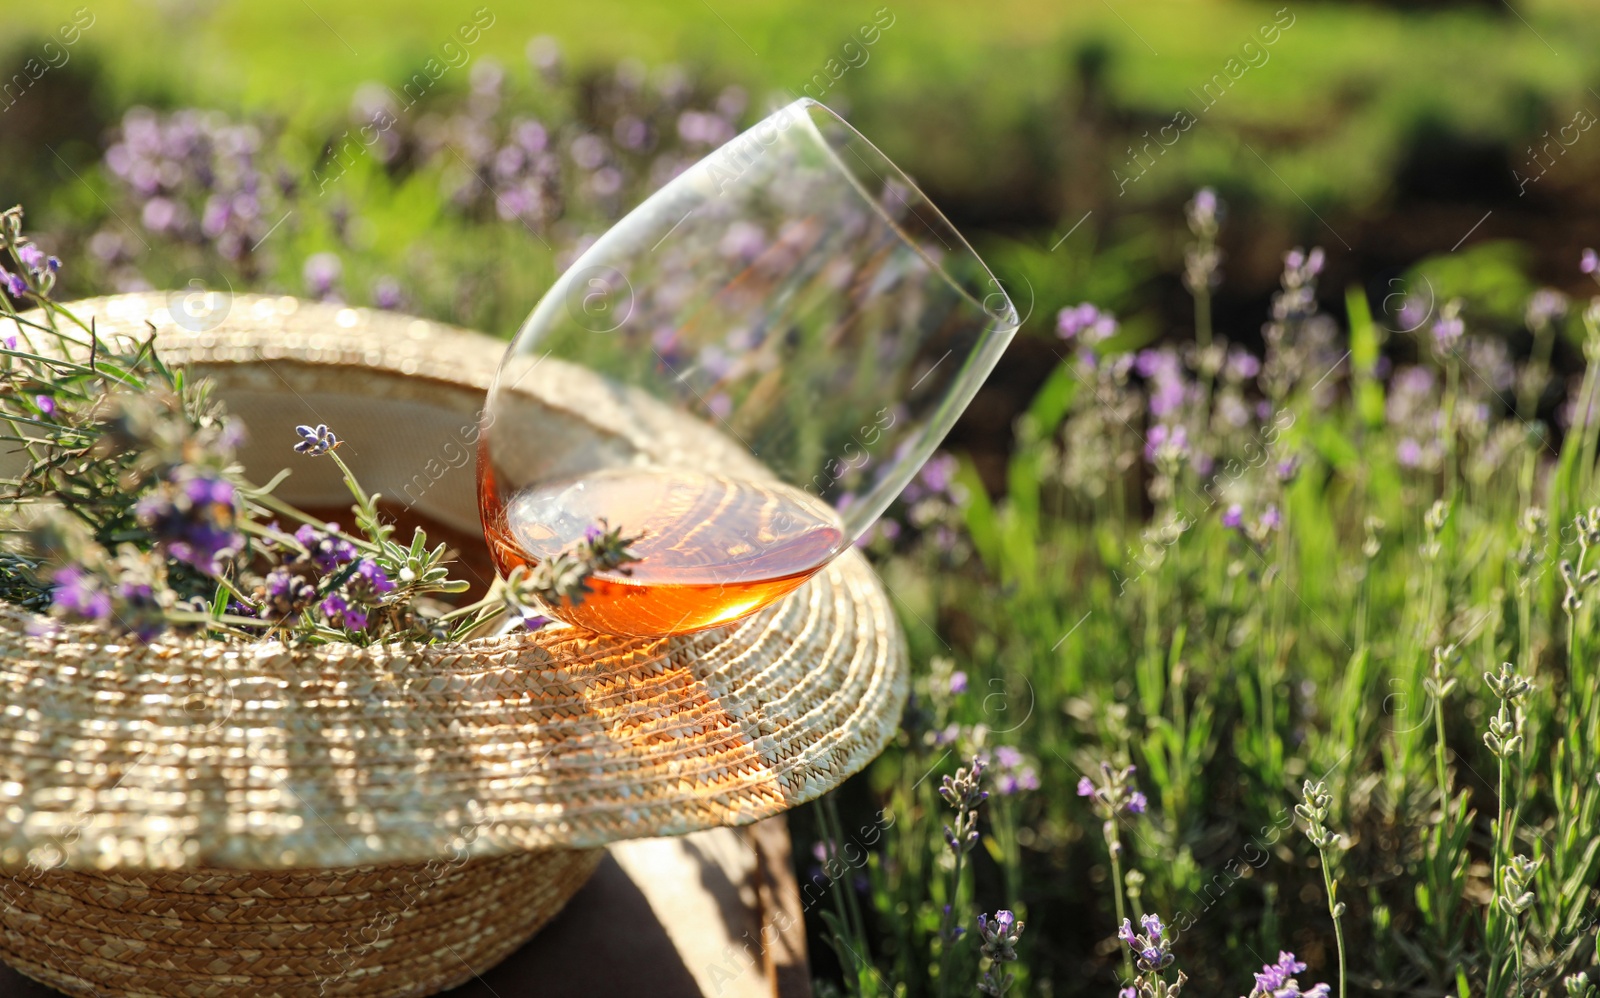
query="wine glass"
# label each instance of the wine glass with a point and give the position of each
(743, 373)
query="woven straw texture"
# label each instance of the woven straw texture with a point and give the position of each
(399, 929)
(191, 755)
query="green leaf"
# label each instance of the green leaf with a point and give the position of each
(1334, 446)
(1366, 343)
(1054, 399)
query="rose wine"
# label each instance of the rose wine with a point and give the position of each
(711, 549)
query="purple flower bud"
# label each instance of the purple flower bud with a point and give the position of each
(1242, 365)
(1087, 321)
(386, 294)
(1409, 453)
(1126, 932)
(1164, 439)
(1447, 332)
(1233, 516)
(1589, 263)
(374, 576)
(1137, 803)
(958, 682)
(15, 286)
(1271, 519)
(322, 271)
(78, 593)
(1546, 306)
(32, 257)
(46, 404)
(1085, 787)
(329, 551)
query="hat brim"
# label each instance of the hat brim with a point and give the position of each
(185, 753)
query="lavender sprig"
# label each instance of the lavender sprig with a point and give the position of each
(1314, 810)
(1151, 949)
(132, 513)
(1114, 796)
(1000, 935)
(1276, 980)
(964, 792)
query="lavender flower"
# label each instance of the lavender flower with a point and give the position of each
(1276, 980)
(1233, 517)
(322, 271)
(1409, 453)
(1242, 365)
(1000, 935)
(79, 594)
(370, 583)
(386, 294)
(936, 480)
(958, 683)
(328, 551)
(193, 176)
(192, 517)
(36, 260)
(1448, 329)
(564, 579)
(1413, 313)
(1546, 306)
(1204, 211)
(1085, 321)
(341, 613)
(287, 590)
(1589, 263)
(1166, 443)
(964, 792)
(1152, 950)
(1115, 793)
(316, 440)
(1013, 774)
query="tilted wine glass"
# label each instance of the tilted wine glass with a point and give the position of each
(774, 343)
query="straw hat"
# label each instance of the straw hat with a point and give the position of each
(242, 771)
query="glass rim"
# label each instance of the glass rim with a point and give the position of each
(1007, 320)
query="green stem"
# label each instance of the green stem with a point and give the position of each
(1333, 912)
(1453, 380)
(1114, 842)
(946, 924)
(1438, 754)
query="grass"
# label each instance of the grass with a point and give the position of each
(1358, 643)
